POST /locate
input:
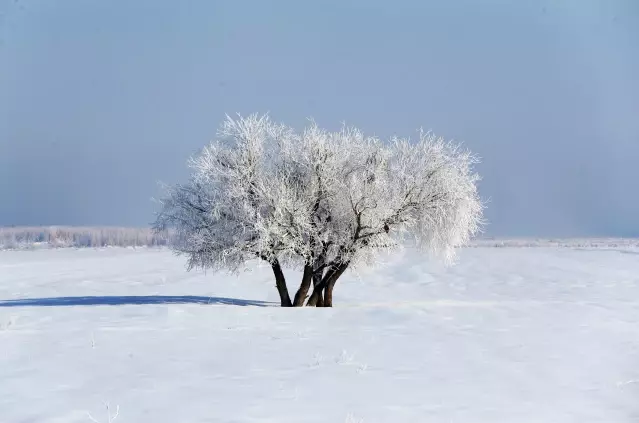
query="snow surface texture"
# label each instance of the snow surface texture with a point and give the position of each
(507, 335)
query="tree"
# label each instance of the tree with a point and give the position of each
(319, 201)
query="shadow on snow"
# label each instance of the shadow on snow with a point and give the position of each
(128, 300)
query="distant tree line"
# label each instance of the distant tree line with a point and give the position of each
(97, 237)
(80, 237)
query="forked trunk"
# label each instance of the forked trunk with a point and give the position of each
(302, 292)
(330, 284)
(280, 283)
(317, 297)
(328, 295)
(323, 292)
(320, 297)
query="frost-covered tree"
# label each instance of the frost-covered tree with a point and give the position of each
(319, 201)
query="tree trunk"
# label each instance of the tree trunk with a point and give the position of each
(320, 298)
(328, 295)
(323, 292)
(317, 297)
(302, 292)
(328, 291)
(280, 283)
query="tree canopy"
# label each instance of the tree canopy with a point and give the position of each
(319, 201)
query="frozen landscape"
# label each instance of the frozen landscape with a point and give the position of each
(316, 164)
(511, 334)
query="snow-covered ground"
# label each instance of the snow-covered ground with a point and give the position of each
(507, 335)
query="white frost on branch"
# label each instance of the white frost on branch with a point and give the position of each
(263, 190)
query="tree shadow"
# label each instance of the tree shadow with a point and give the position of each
(117, 300)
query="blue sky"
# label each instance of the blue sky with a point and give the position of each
(100, 100)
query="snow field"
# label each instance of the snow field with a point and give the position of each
(506, 335)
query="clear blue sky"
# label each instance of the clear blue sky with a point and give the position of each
(100, 100)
